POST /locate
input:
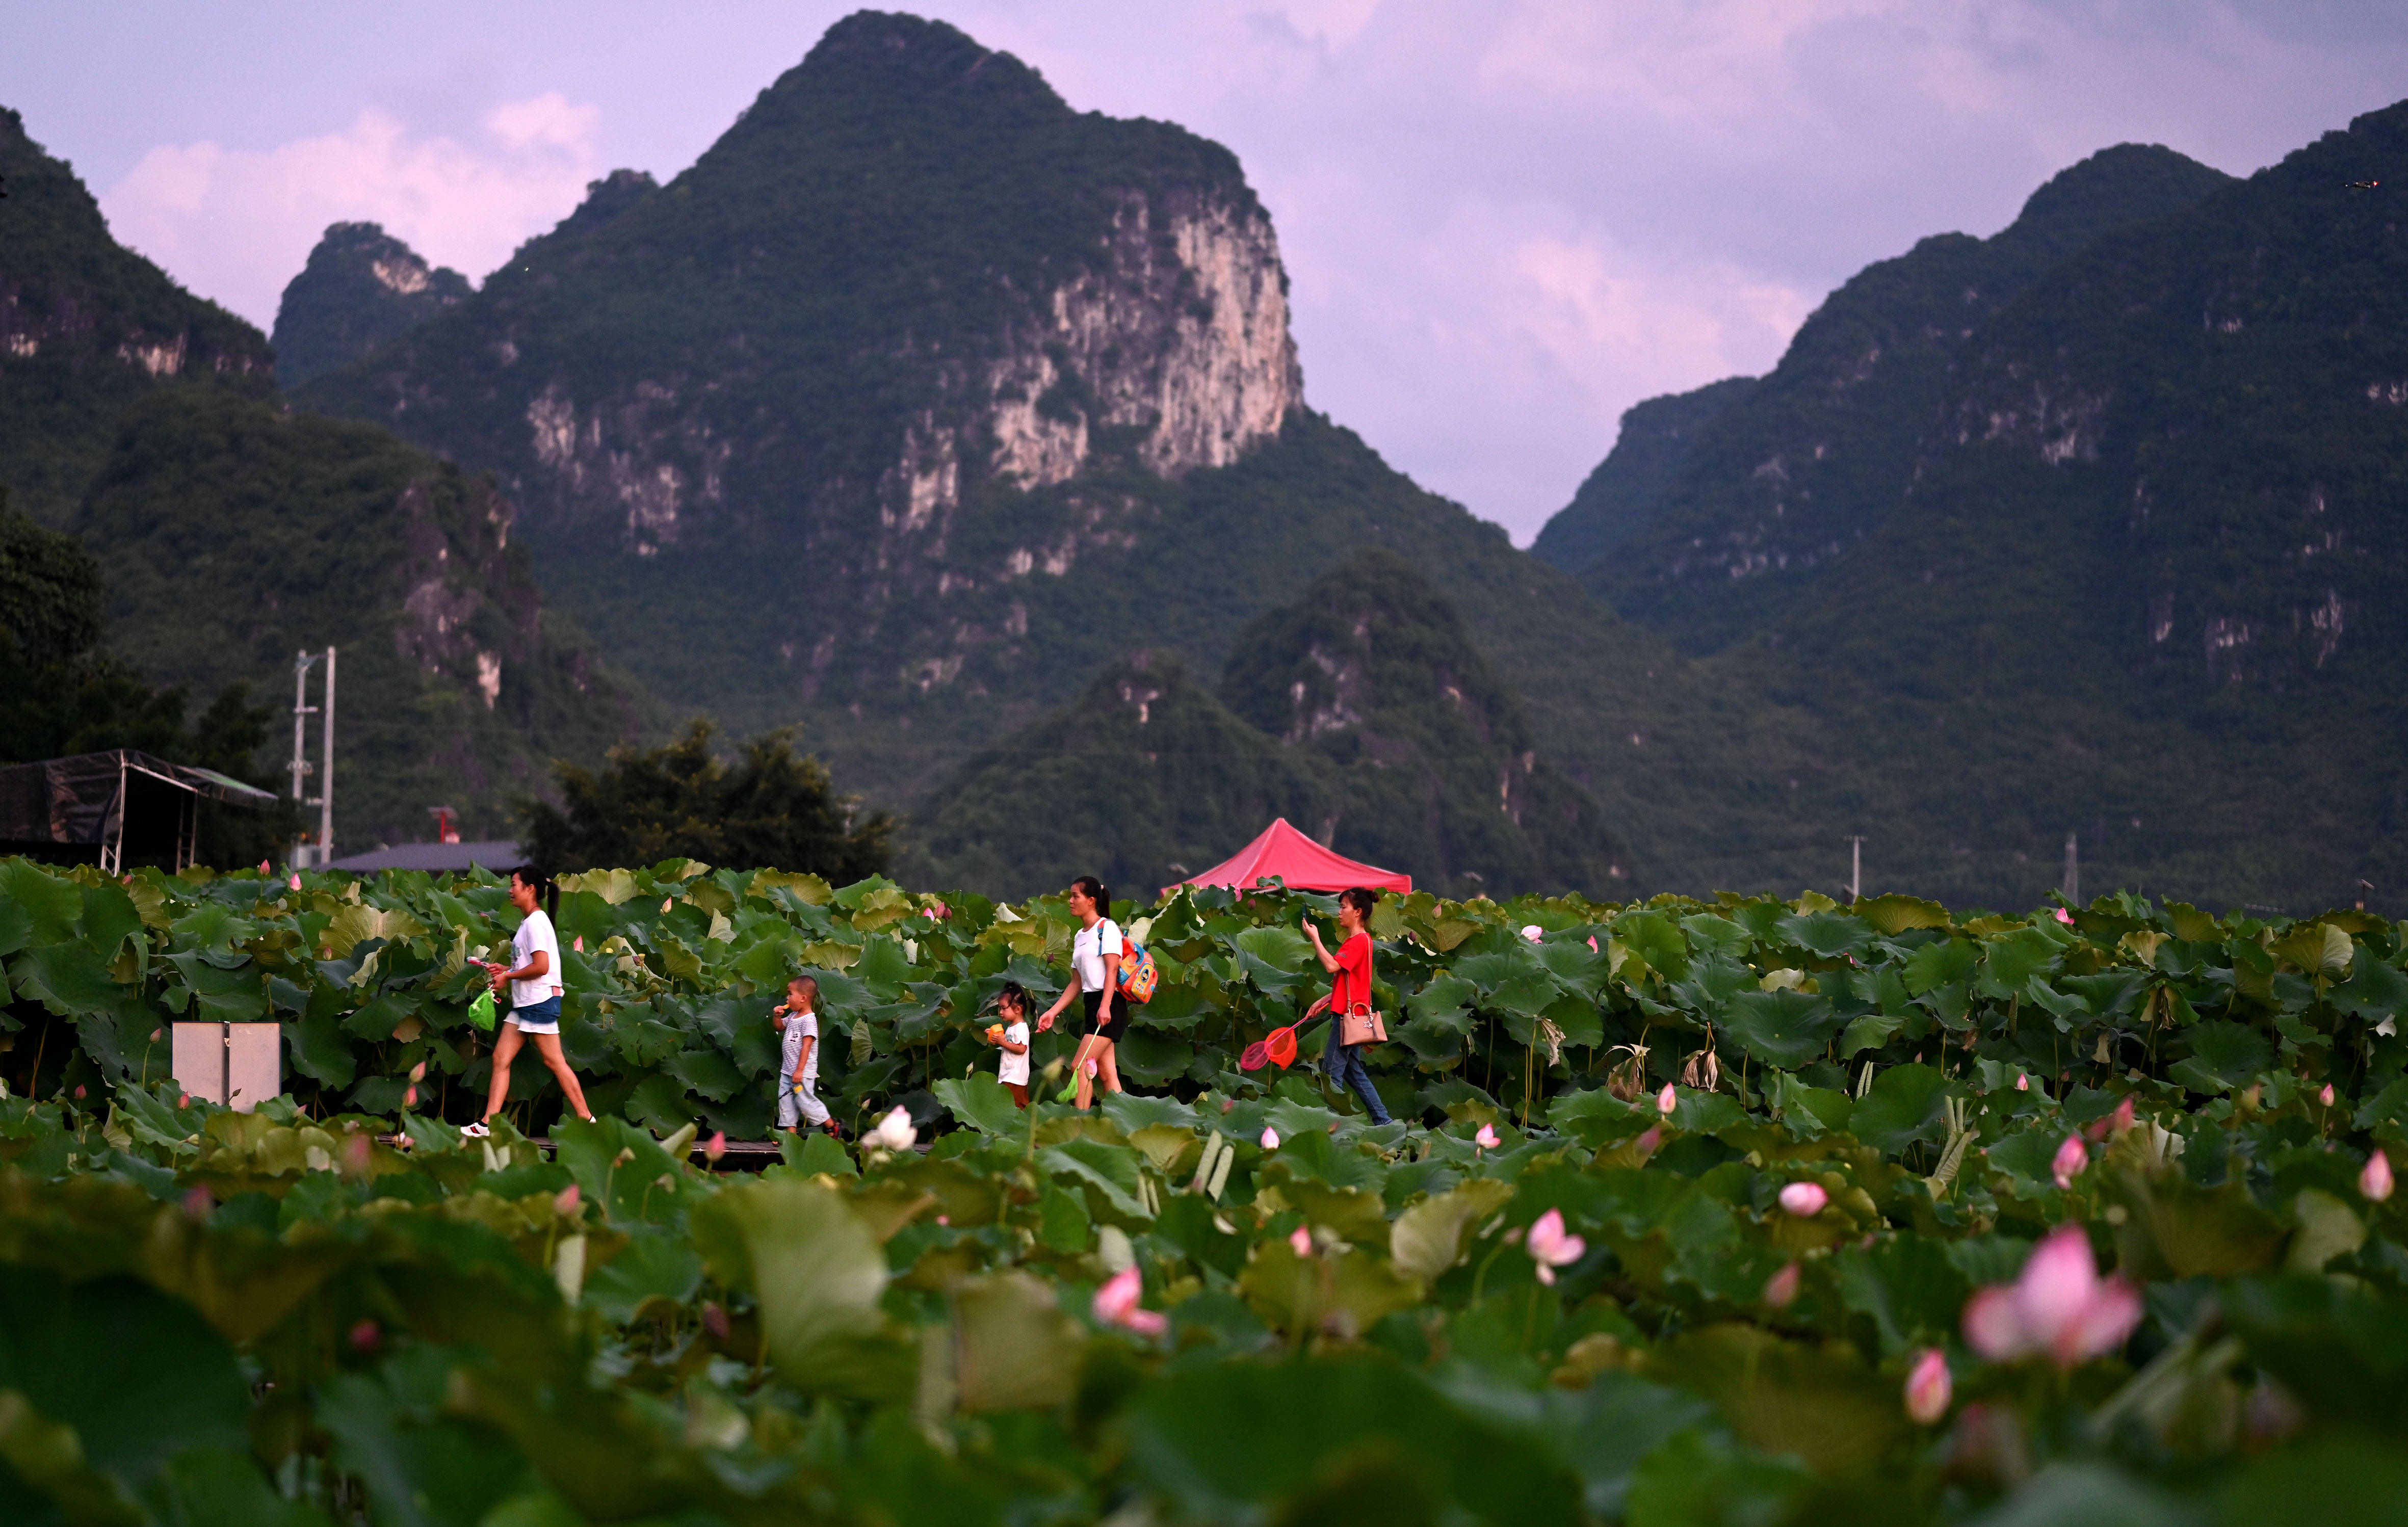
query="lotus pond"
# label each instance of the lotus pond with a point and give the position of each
(1730, 1212)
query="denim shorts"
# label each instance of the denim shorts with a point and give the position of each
(543, 1018)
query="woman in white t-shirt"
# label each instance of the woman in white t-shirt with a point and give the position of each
(534, 980)
(1096, 956)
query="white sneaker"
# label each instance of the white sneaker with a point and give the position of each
(475, 1131)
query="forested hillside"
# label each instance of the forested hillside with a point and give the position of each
(215, 534)
(2132, 576)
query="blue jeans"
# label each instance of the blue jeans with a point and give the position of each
(1343, 1065)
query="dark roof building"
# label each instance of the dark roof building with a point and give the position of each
(118, 808)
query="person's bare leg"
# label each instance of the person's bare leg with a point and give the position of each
(548, 1045)
(1109, 1062)
(1086, 1051)
(504, 1046)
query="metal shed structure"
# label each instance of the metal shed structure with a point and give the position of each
(115, 808)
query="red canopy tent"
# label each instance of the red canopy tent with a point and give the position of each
(1298, 860)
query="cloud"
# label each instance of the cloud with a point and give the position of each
(237, 225)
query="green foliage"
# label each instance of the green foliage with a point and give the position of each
(301, 1316)
(92, 328)
(212, 525)
(62, 692)
(771, 810)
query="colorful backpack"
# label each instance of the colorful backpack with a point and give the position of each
(1137, 975)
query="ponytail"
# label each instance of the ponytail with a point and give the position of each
(1093, 889)
(547, 891)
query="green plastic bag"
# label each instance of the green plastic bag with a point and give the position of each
(481, 1012)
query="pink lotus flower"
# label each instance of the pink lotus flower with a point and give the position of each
(2374, 1182)
(183, 1100)
(418, 1072)
(2060, 1307)
(578, 943)
(1116, 1304)
(1592, 944)
(2072, 1160)
(366, 1336)
(2326, 1096)
(410, 1097)
(716, 1146)
(2023, 1081)
(714, 1319)
(296, 882)
(1533, 932)
(1929, 1388)
(1301, 1240)
(1270, 1138)
(1648, 1141)
(1781, 1289)
(2065, 917)
(264, 866)
(566, 1202)
(1667, 1100)
(2123, 1118)
(1804, 1199)
(198, 1202)
(357, 1151)
(1550, 1247)
(1486, 1139)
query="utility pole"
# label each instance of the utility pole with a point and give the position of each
(2072, 871)
(302, 768)
(1856, 867)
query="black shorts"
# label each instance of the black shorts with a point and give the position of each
(1117, 1025)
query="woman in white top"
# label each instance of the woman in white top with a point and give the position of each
(534, 996)
(1096, 956)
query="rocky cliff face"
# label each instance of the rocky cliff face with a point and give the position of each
(361, 288)
(87, 330)
(1820, 454)
(876, 367)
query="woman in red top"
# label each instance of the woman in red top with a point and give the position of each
(1349, 988)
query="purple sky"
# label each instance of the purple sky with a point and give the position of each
(1506, 220)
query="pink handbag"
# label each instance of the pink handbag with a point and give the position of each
(1362, 1026)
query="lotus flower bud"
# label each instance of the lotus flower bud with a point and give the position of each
(1781, 1289)
(2121, 1119)
(1929, 1388)
(183, 1100)
(366, 1337)
(714, 1319)
(1804, 1199)
(1301, 1240)
(198, 1205)
(1648, 1140)
(410, 1097)
(2326, 1096)
(1667, 1100)
(2065, 917)
(418, 1072)
(1533, 932)
(155, 1033)
(1486, 1138)
(1116, 1304)
(566, 1202)
(79, 1092)
(2023, 1081)
(896, 1131)
(1270, 1138)
(716, 1146)
(296, 882)
(2374, 1182)
(2072, 1160)
(578, 943)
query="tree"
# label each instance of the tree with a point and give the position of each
(772, 809)
(62, 692)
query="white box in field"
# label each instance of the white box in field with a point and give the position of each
(235, 1065)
